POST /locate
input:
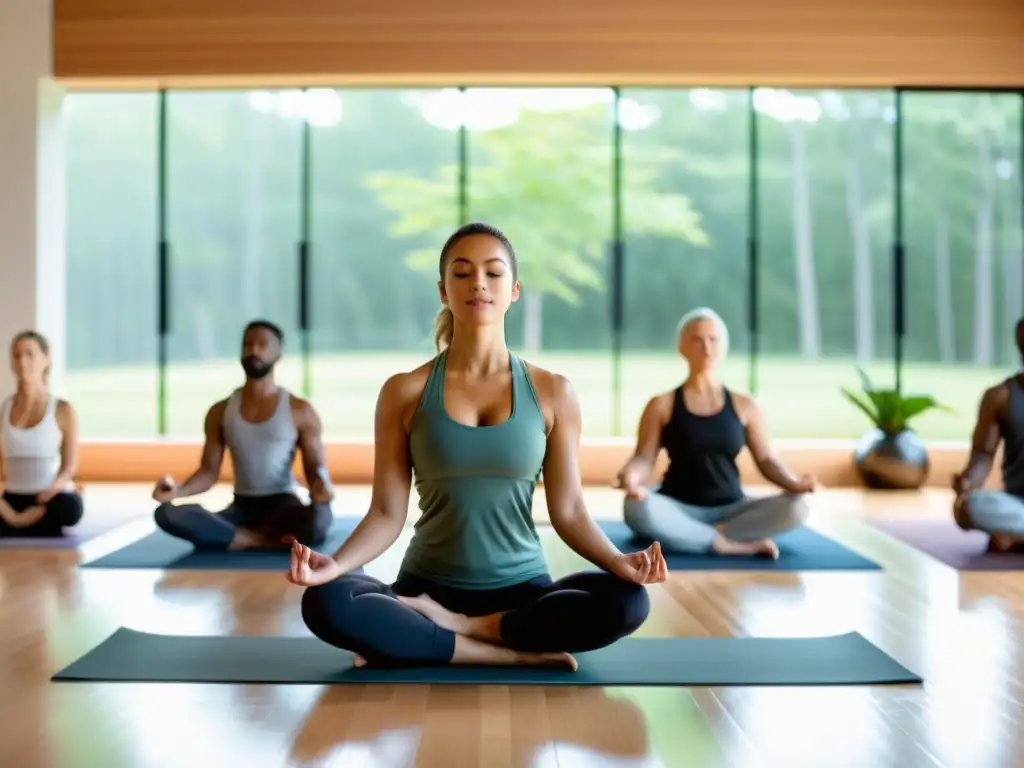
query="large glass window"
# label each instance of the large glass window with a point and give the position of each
(374, 180)
(540, 169)
(825, 203)
(685, 208)
(962, 203)
(384, 198)
(111, 172)
(233, 226)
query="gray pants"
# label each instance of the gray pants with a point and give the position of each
(996, 512)
(688, 528)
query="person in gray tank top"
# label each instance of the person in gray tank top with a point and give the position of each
(260, 425)
(1000, 514)
(476, 426)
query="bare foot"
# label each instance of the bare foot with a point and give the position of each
(762, 548)
(471, 651)
(962, 517)
(550, 661)
(1002, 543)
(503, 657)
(246, 539)
(437, 613)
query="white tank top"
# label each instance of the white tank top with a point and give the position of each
(31, 456)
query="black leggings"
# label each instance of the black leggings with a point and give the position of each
(62, 511)
(581, 612)
(273, 516)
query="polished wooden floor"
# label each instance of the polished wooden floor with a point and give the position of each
(962, 632)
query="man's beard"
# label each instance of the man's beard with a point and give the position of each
(255, 367)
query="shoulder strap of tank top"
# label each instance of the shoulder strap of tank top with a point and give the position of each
(523, 391)
(433, 391)
(679, 403)
(1015, 393)
(729, 403)
(51, 407)
(231, 407)
(5, 411)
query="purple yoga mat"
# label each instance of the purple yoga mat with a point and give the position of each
(947, 542)
(92, 525)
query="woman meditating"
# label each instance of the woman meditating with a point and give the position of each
(38, 449)
(700, 505)
(477, 425)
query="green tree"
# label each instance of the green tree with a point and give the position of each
(546, 181)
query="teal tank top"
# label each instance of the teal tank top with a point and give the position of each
(476, 487)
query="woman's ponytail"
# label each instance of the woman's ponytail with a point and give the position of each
(444, 328)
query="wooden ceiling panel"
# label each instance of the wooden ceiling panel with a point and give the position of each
(657, 42)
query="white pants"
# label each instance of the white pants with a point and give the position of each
(996, 512)
(689, 528)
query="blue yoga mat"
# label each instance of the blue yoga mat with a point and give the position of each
(161, 550)
(132, 656)
(801, 549)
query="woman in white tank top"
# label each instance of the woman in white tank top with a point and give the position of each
(38, 449)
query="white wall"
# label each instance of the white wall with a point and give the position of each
(32, 245)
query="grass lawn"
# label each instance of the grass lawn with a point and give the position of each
(801, 398)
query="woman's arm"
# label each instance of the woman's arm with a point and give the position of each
(767, 462)
(6, 511)
(392, 477)
(67, 420)
(637, 471)
(563, 486)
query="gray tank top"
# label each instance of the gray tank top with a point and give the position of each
(263, 453)
(1012, 430)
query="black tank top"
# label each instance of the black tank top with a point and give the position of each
(702, 453)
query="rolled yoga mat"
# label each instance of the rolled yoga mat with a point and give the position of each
(801, 549)
(161, 550)
(948, 543)
(132, 656)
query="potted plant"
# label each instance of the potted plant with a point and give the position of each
(892, 455)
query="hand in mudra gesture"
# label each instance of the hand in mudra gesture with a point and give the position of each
(646, 567)
(309, 568)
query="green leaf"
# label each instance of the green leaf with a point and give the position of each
(887, 406)
(915, 405)
(862, 403)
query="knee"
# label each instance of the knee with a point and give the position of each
(634, 512)
(68, 508)
(797, 509)
(314, 608)
(164, 516)
(325, 608)
(978, 508)
(636, 607)
(628, 606)
(320, 518)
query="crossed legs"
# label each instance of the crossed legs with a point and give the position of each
(742, 528)
(62, 511)
(269, 522)
(536, 623)
(997, 513)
